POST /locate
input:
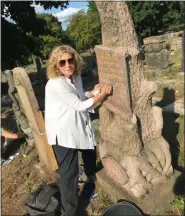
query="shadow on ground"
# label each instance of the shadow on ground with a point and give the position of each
(170, 126)
(85, 198)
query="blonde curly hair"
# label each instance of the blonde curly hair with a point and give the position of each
(52, 69)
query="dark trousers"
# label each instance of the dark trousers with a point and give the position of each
(67, 159)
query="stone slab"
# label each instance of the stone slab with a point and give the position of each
(36, 122)
(21, 79)
(156, 203)
(158, 60)
(112, 69)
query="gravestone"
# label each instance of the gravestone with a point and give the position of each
(34, 117)
(21, 119)
(135, 155)
(38, 63)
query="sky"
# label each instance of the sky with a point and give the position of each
(64, 14)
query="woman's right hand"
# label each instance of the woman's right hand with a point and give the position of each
(106, 89)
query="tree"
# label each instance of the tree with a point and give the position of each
(85, 30)
(23, 14)
(16, 45)
(18, 39)
(92, 7)
(151, 16)
(53, 35)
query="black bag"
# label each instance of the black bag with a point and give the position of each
(124, 208)
(44, 201)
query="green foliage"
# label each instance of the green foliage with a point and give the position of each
(152, 16)
(84, 29)
(177, 205)
(53, 35)
(15, 45)
(92, 7)
(33, 34)
(22, 39)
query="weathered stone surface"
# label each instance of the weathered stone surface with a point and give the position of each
(153, 40)
(174, 39)
(114, 34)
(34, 117)
(38, 63)
(158, 48)
(157, 71)
(21, 120)
(158, 60)
(155, 203)
(131, 141)
(155, 47)
(112, 69)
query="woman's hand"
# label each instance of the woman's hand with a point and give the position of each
(106, 89)
(20, 135)
(11, 135)
(109, 89)
(97, 87)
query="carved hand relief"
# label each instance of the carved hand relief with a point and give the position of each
(133, 151)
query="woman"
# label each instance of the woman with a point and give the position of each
(67, 120)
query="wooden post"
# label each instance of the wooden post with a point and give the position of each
(35, 118)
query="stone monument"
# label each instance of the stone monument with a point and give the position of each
(134, 154)
(38, 63)
(21, 120)
(34, 117)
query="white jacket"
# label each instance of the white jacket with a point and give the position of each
(66, 114)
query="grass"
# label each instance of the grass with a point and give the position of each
(177, 206)
(171, 74)
(180, 135)
(103, 202)
(180, 138)
(181, 159)
(175, 60)
(176, 85)
(31, 186)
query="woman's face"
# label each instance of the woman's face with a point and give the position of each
(66, 64)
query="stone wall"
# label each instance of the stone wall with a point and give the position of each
(175, 40)
(158, 49)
